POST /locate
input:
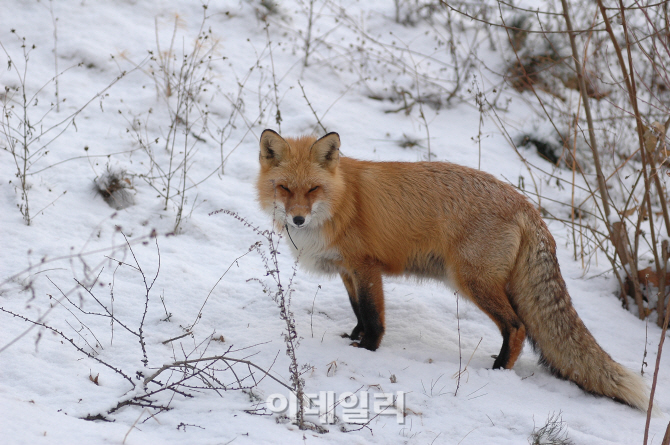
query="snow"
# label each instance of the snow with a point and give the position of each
(206, 276)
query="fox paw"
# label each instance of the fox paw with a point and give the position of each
(365, 344)
(357, 333)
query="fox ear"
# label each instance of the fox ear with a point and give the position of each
(326, 151)
(273, 148)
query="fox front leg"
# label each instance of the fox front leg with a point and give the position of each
(353, 299)
(369, 306)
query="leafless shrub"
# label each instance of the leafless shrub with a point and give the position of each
(281, 293)
(605, 131)
(411, 12)
(553, 432)
(180, 77)
(392, 70)
(26, 124)
(154, 387)
(616, 58)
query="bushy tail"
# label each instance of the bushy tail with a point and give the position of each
(566, 346)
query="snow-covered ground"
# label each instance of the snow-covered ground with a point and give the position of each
(248, 60)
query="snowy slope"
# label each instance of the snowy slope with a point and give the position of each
(47, 385)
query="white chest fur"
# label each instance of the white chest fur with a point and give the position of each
(309, 245)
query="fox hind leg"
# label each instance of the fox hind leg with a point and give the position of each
(514, 336)
(496, 304)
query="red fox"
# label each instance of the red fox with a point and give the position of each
(437, 220)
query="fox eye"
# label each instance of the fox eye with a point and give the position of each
(285, 188)
(313, 188)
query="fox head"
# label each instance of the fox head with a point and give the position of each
(298, 178)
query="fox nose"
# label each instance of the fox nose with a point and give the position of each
(298, 220)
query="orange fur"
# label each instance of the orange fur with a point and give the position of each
(434, 220)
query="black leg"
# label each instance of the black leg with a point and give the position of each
(367, 280)
(351, 291)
